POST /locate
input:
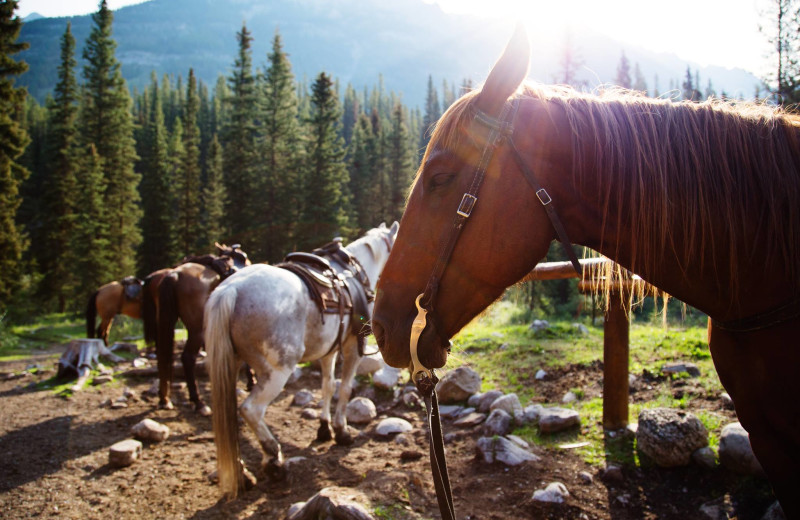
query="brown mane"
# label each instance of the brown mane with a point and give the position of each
(666, 162)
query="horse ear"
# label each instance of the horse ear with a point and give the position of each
(395, 228)
(507, 74)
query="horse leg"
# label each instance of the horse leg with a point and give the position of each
(189, 360)
(104, 328)
(326, 364)
(269, 385)
(350, 359)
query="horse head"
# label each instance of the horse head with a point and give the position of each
(238, 257)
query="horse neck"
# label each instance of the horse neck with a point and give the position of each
(363, 253)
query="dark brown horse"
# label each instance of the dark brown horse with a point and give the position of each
(700, 199)
(182, 294)
(124, 297)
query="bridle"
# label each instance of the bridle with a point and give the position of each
(500, 129)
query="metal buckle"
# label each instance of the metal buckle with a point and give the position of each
(467, 204)
(542, 194)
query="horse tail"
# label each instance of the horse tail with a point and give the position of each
(149, 312)
(223, 369)
(91, 315)
(167, 317)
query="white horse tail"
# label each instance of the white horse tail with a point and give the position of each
(223, 371)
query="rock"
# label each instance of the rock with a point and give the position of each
(139, 362)
(295, 508)
(470, 420)
(585, 477)
(334, 502)
(519, 441)
(669, 436)
(411, 455)
(302, 398)
(153, 390)
(370, 364)
(386, 378)
(569, 397)
(119, 405)
(130, 348)
(500, 449)
(458, 385)
(360, 410)
(735, 452)
(296, 374)
(540, 374)
(580, 328)
(466, 411)
(679, 367)
(613, 473)
(498, 423)
(393, 425)
(291, 461)
(727, 402)
(449, 411)
(309, 413)
(538, 325)
(530, 414)
(554, 419)
(150, 430)
(487, 399)
(705, 458)
(474, 400)
(124, 453)
(401, 439)
(555, 493)
(718, 509)
(509, 403)
(102, 379)
(413, 400)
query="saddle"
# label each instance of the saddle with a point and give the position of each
(338, 285)
(132, 287)
(223, 265)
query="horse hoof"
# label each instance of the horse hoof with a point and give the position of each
(324, 433)
(344, 438)
(275, 471)
(166, 405)
(204, 410)
(249, 481)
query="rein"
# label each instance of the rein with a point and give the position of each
(424, 378)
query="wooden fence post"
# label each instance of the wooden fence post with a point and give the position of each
(615, 363)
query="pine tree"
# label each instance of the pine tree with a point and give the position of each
(13, 140)
(158, 248)
(187, 180)
(60, 188)
(350, 113)
(361, 174)
(239, 145)
(639, 83)
(107, 123)
(401, 169)
(690, 91)
(213, 197)
(281, 155)
(784, 37)
(327, 209)
(570, 62)
(432, 114)
(623, 78)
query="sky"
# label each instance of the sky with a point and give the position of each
(705, 32)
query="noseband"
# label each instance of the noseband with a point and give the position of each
(424, 378)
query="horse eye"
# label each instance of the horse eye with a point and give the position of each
(441, 179)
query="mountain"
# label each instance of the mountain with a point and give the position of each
(356, 41)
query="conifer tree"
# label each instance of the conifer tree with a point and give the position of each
(107, 123)
(13, 140)
(570, 62)
(158, 249)
(401, 169)
(690, 91)
(432, 114)
(783, 35)
(60, 188)
(639, 83)
(361, 175)
(213, 197)
(187, 180)
(623, 77)
(327, 208)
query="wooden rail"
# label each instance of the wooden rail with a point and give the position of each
(615, 339)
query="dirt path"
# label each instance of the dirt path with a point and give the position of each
(54, 464)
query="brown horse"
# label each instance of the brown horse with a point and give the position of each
(182, 294)
(123, 297)
(700, 199)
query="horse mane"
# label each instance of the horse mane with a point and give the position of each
(724, 172)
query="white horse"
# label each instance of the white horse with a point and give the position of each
(264, 315)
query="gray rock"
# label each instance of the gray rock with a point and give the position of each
(585, 477)
(392, 425)
(509, 403)
(334, 502)
(296, 374)
(554, 419)
(457, 385)
(360, 410)
(555, 493)
(540, 374)
(669, 436)
(386, 378)
(705, 458)
(580, 328)
(447, 411)
(487, 399)
(150, 430)
(500, 449)
(370, 364)
(718, 509)
(466, 411)
(519, 441)
(735, 452)
(498, 423)
(613, 473)
(474, 400)
(569, 397)
(680, 367)
(124, 453)
(302, 398)
(530, 414)
(309, 413)
(727, 402)
(538, 325)
(102, 379)
(470, 420)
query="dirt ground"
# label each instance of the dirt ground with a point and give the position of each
(54, 462)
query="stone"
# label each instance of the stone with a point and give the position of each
(530, 414)
(457, 385)
(296, 374)
(519, 441)
(500, 449)
(554, 493)
(680, 367)
(585, 477)
(412, 400)
(360, 410)
(302, 398)
(538, 325)
(139, 362)
(705, 458)
(309, 413)
(334, 502)
(124, 453)
(498, 423)
(509, 403)
(119, 405)
(540, 374)
(613, 473)
(735, 452)
(392, 425)
(474, 400)
(370, 364)
(292, 461)
(386, 378)
(487, 399)
(555, 419)
(669, 436)
(152, 391)
(727, 401)
(450, 411)
(470, 420)
(569, 397)
(718, 509)
(580, 328)
(102, 379)
(150, 430)
(130, 348)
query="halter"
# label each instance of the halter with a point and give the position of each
(424, 378)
